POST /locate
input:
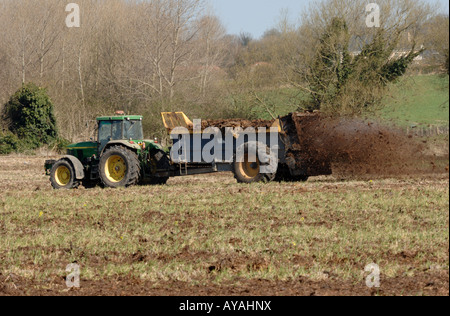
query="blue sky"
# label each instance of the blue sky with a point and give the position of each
(257, 16)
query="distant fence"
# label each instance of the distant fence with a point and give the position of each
(428, 131)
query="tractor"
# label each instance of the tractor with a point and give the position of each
(119, 158)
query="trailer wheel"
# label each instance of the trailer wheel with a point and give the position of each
(62, 176)
(284, 175)
(119, 167)
(247, 169)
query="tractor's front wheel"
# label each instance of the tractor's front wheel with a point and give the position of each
(62, 176)
(119, 168)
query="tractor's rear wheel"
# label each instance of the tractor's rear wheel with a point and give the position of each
(119, 168)
(247, 169)
(62, 176)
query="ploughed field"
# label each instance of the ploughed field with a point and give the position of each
(208, 235)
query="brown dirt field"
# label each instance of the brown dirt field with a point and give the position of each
(435, 284)
(251, 246)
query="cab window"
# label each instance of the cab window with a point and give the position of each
(109, 130)
(104, 131)
(133, 130)
(116, 133)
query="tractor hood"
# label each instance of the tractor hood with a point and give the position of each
(82, 150)
(136, 145)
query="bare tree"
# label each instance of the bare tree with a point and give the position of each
(437, 40)
(211, 34)
(245, 39)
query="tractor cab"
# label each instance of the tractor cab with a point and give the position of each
(117, 128)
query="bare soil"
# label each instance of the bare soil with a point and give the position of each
(422, 284)
(156, 223)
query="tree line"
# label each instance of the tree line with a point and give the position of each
(145, 57)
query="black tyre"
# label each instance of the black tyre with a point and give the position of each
(299, 178)
(159, 181)
(247, 169)
(89, 184)
(162, 163)
(284, 175)
(119, 168)
(62, 176)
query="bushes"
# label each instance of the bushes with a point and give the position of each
(9, 143)
(30, 120)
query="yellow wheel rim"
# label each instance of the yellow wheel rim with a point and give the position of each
(62, 176)
(115, 169)
(248, 168)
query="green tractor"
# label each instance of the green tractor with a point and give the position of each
(119, 158)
